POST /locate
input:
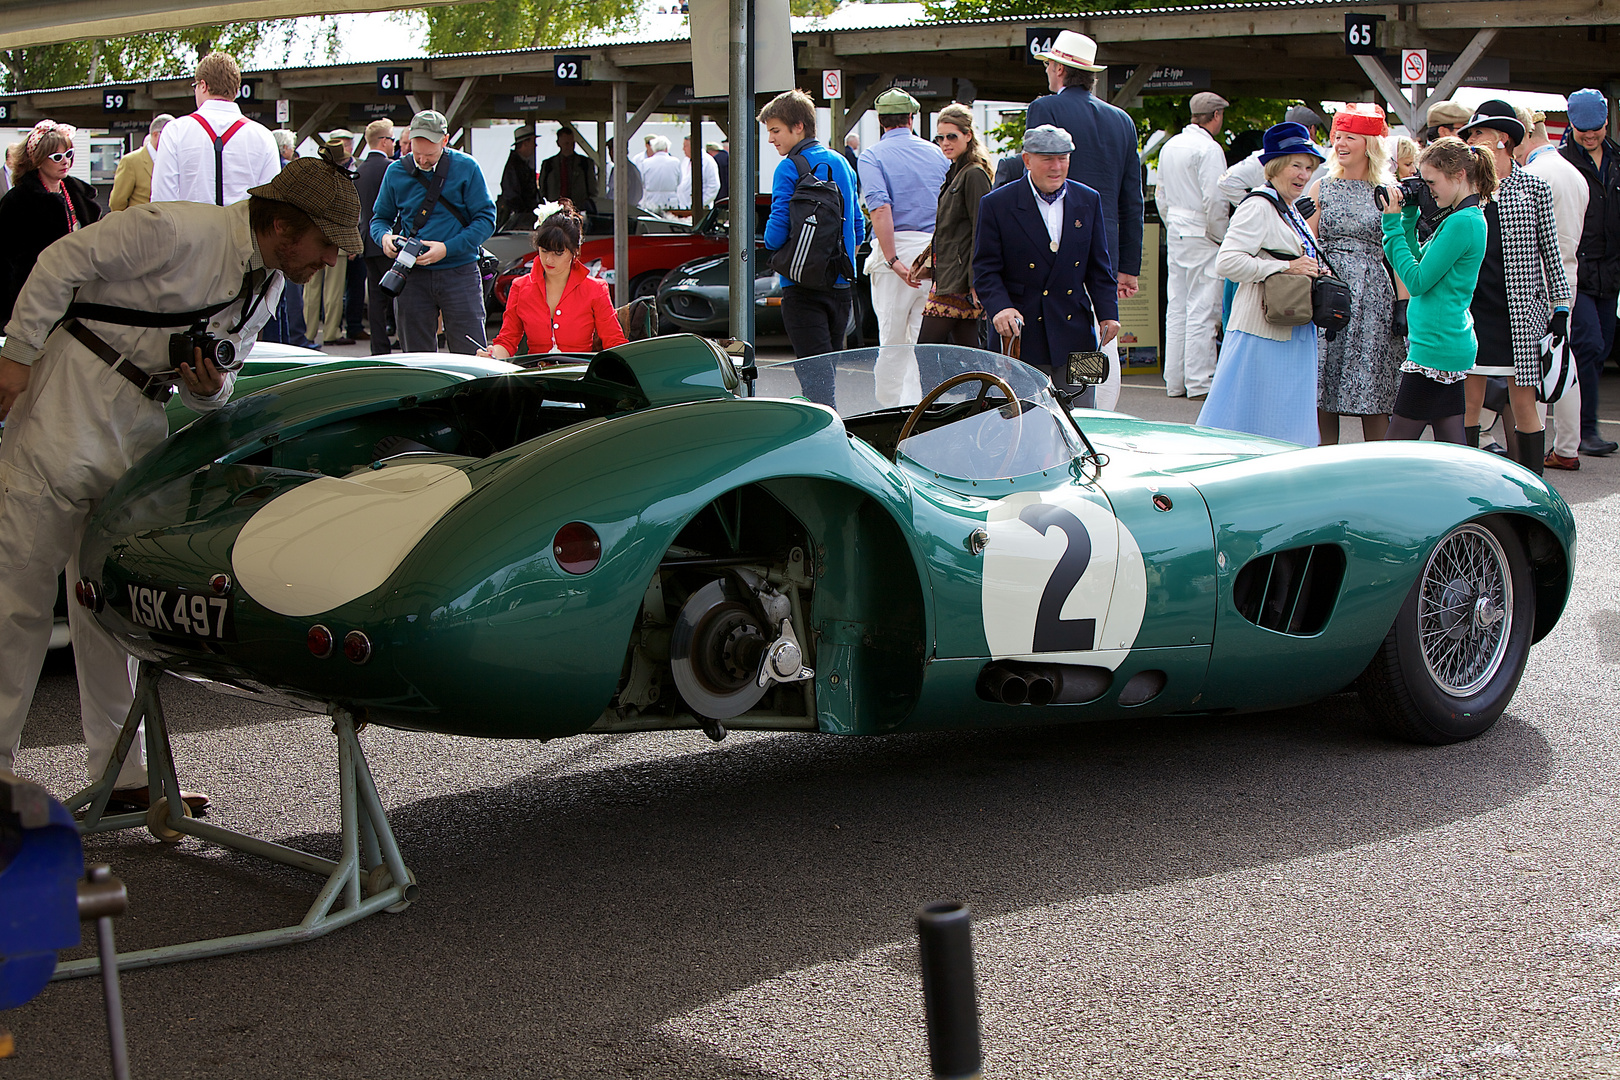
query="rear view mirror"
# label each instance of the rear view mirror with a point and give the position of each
(1088, 368)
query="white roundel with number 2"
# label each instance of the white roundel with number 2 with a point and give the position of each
(1064, 581)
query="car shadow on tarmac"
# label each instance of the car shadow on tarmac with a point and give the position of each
(565, 915)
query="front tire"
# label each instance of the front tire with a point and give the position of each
(1449, 666)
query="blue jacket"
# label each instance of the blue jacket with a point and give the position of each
(1057, 292)
(402, 194)
(787, 178)
(1105, 160)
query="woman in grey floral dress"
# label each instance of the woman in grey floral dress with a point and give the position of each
(1357, 371)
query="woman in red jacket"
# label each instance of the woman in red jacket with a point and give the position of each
(557, 307)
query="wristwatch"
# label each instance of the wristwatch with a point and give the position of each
(892, 260)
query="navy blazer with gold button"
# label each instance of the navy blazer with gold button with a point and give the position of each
(1057, 292)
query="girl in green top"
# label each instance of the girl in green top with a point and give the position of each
(1440, 275)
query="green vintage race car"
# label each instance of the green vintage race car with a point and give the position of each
(639, 544)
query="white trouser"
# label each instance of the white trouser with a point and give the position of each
(1564, 434)
(75, 430)
(1192, 311)
(1108, 389)
(899, 311)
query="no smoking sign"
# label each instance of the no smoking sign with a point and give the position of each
(1415, 67)
(832, 84)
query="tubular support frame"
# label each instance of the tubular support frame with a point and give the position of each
(369, 876)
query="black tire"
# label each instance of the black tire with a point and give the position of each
(646, 284)
(1475, 656)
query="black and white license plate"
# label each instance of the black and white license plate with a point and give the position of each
(182, 612)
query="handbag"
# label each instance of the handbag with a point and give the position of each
(1557, 368)
(923, 265)
(1323, 300)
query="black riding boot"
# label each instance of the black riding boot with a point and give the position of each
(1471, 434)
(1533, 450)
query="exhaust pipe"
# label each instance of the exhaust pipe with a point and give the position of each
(1013, 683)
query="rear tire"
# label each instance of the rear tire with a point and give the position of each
(646, 284)
(1449, 666)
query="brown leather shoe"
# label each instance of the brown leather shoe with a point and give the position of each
(1569, 464)
(140, 798)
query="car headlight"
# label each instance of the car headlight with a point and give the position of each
(594, 269)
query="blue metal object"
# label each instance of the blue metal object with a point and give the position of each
(40, 866)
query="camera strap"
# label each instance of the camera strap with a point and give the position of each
(159, 320)
(159, 387)
(434, 189)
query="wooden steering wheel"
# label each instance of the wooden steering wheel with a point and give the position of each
(937, 392)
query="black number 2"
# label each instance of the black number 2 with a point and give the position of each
(1053, 633)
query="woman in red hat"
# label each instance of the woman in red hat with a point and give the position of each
(1357, 371)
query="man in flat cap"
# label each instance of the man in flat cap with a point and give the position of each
(1104, 159)
(900, 178)
(1040, 260)
(83, 378)
(1443, 118)
(1194, 214)
(520, 192)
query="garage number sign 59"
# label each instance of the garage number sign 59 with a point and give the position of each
(115, 100)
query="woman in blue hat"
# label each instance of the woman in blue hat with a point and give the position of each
(1265, 379)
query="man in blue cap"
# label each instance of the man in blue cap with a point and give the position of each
(1104, 159)
(1041, 262)
(1592, 321)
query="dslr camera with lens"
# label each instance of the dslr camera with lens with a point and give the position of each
(1411, 188)
(183, 346)
(410, 249)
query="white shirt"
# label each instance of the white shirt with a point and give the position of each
(183, 165)
(711, 182)
(1570, 194)
(1051, 212)
(660, 179)
(1188, 194)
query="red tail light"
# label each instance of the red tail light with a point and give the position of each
(320, 642)
(577, 548)
(87, 593)
(357, 647)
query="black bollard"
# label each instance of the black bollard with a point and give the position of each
(945, 941)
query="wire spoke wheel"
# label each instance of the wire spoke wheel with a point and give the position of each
(1465, 611)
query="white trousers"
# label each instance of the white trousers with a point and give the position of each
(1564, 428)
(1108, 389)
(75, 430)
(1192, 311)
(899, 311)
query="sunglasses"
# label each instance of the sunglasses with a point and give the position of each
(65, 155)
(950, 136)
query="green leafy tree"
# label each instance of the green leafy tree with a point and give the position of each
(163, 54)
(519, 24)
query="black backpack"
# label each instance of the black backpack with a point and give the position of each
(814, 254)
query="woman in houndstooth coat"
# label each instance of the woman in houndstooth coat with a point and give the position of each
(1522, 289)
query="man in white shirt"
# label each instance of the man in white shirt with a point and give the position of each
(1194, 216)
(660, 176)
(214, 154)
(1570, 194)
(711, 178)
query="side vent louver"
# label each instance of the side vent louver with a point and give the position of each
(1291, 592)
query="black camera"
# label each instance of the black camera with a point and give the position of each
(1411, 189)
(410, 249)
(183, 349)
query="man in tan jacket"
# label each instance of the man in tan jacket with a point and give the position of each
(132, 183)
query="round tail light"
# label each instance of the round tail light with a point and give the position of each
(357, 647)
(577, 548)
(87, 593)
(220, 583)
(320, 642)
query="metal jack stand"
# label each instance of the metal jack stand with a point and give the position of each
(369, 876)
(102, 896)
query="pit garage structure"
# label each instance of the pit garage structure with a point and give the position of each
(1281, 48)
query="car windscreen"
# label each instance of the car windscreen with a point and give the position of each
(970, 431)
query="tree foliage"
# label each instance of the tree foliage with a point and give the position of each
(158, 55)
(521, 24)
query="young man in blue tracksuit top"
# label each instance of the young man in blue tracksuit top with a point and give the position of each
(815, 319)
(445, 279)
